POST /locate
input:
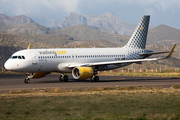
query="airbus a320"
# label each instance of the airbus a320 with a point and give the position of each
(83, 63)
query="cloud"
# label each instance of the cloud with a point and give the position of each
(158, 5)
(42, 11)
(19, 7)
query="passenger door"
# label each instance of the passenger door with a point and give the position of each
(34, 58)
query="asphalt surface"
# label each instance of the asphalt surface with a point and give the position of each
(16, 81)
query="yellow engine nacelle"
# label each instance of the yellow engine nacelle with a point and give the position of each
(82, 72)
(36, 75)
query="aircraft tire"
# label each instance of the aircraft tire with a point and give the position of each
(92, 80)
(65, 79)
(96, 79)
(61, 77)
(27, 80)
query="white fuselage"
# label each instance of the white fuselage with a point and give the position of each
(57, 60)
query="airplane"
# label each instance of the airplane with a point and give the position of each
(84, 63)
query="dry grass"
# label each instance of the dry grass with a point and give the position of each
(126, 102)
(157, 74)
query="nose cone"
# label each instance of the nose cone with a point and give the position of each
(7, 65)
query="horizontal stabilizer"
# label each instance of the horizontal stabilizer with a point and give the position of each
(153, 53)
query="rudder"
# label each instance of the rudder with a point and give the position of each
(139, 37)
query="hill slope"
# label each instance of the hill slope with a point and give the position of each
(82, 32)
(108, 20)
(33, 28)
(53, 40)
(15, 20)
(164, 34)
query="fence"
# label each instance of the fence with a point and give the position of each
(141, 70)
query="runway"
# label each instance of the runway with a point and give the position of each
(16, 81)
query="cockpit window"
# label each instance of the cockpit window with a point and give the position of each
(14, 57)
(17, 57)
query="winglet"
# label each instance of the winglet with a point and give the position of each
(29, 47)
(170, 53)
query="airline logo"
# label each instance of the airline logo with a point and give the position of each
(47, 52)
(61, 52)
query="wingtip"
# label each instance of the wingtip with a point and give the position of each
(29, 47)
(171, 52)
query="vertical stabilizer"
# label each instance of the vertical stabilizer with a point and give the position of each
(138, 38)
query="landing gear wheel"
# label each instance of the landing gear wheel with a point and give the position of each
(91, 80)
(27, 80)
(96, 79)
(65, 78)
(61, 77)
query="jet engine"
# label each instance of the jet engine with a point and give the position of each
(82, 72)
(36, 75)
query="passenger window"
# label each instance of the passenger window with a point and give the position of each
(24, 57)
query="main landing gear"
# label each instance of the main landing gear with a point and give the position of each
(94, 79)
(27, 80)
(63, 78)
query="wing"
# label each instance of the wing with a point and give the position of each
(122, 61)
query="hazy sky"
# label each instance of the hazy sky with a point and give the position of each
(161, 11)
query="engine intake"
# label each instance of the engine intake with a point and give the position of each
(82, 72)
(36, 75)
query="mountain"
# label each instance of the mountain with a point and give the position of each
(3, 27)
(49, 39)
(90, 44)
(15, 20)
(107, 21)
(82, 32)
(55, 28)
(32, 28)
(163, 34)
(104, 29)
(15, 41)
